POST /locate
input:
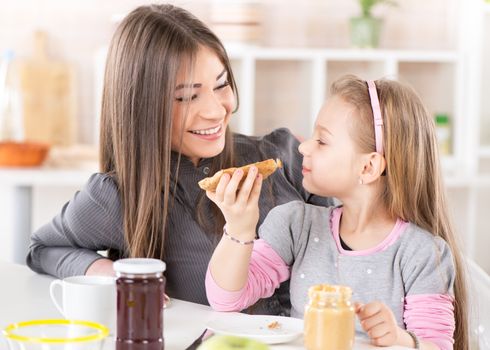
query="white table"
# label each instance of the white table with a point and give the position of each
(24, 295)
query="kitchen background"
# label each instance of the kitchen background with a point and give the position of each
(284, 62)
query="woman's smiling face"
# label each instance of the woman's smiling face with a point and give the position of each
(202, 109)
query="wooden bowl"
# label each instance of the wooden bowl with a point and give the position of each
(22, 154)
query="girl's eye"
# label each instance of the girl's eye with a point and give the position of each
(225, 84)
(320, 142)
(186, 99)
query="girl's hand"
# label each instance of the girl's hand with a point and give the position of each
(239, 207)
(378, 321)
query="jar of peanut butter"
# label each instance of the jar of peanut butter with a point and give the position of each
(329, 318)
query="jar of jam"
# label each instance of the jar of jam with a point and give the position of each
(329, 318)
(140, 291)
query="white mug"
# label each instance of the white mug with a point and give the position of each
(88, 298)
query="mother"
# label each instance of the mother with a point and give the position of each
(168, 96)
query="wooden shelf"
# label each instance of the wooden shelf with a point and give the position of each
(311, 71)
(467, 181)
(484, 152)
(74, 177)
(284, 54)
(44, 176)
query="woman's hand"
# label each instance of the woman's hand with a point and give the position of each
(239, 207)
(101, 267)
(378, 321)
(166, 301)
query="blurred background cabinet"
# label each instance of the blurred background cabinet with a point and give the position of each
(286, 87)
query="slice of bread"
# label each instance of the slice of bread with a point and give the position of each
(265, 167)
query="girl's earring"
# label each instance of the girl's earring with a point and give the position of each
(360, 181)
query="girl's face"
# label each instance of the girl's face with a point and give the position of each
(331, 163)
(202, 110)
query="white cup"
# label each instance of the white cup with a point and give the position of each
(88, 298)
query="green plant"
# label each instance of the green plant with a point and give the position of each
(367, 5)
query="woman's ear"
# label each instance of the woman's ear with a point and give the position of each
(374, 167)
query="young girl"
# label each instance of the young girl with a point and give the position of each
(390, 241)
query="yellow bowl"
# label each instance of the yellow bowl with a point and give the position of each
(55, 335)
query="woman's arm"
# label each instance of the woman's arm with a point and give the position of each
(101, 267)
(91, 221)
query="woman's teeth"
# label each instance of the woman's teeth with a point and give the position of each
(207, 131)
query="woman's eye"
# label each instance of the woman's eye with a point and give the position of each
(225, 84)
(186, 99)
(193, 97)
(320, 142)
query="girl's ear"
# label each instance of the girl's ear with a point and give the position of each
(374, 167)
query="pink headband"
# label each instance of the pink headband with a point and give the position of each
(378, 119)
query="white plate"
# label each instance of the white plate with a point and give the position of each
(256, 327)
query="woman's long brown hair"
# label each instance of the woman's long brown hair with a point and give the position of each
(414, 189)
(145, 54)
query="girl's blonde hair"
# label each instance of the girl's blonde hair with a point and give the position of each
(414, 190)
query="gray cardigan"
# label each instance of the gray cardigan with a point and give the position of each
(92, 221)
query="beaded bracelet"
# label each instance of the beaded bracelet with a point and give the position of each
(236, 240)
(415, 339)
